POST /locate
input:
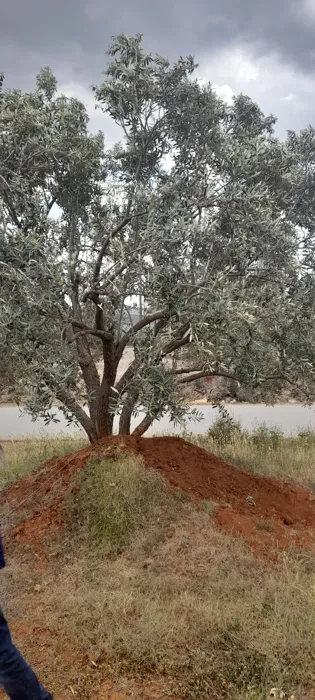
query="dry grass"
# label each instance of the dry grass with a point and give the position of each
(182, 599)
(21, 457)
(149, 587)
(266, 452)
(116, 498)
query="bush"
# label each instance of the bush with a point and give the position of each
(307, 437)
(224, 428)
(267, 437)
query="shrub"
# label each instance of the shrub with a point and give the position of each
(224, 428)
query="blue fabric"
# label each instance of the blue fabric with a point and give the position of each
(2, 560)
(17, 678)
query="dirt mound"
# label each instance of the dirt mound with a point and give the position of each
(271, 515)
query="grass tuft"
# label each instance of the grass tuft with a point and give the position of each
(117, 497)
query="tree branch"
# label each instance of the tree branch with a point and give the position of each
(93, 291)
(126, 220)
(185, 370)
(127, 410)
(171, 347)
(105, 245)
(9, 204)
(150, 318)
(90, 331)
(51, 203)
(201, 374)
(284, 378)
(122, 383)
(143, 426)
(175, 345)
(233, 377)
(69, 401)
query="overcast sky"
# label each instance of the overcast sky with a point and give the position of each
(265, 48)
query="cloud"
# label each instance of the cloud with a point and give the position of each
(266, 48)
(289, 99)
(98, 120)
(55, 29)
(225, 92)
(308, 9)
(277, 87)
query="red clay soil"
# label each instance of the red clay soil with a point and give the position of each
(270, 515)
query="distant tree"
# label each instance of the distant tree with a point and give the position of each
(191, 214)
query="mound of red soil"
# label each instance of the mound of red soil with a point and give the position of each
(270, 515)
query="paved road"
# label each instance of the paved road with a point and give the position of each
(287, 417)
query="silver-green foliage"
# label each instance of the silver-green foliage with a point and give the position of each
(190, 220)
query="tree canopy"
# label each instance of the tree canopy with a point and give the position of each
(191, 240)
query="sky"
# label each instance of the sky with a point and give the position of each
(263, 48)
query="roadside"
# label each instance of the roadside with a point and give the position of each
(133, 590)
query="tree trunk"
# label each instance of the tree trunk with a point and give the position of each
(89, 373)
(84, 354)
(105, 419)
(143, 426)
(85, 421)
(126, 414)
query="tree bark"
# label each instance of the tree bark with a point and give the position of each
(143, 426)
(90, 375)
(126, 414)
(85, 421)
(85, 357)
(105, 419)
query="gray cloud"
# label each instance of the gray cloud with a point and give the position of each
(59, 29)
(71, 36)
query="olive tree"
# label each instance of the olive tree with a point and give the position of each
(187, 222)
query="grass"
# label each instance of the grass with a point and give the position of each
(266, 452)
(179, 599)
(145, 585)
(21, 457)
(116, 498)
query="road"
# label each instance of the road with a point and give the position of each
(289, 418)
